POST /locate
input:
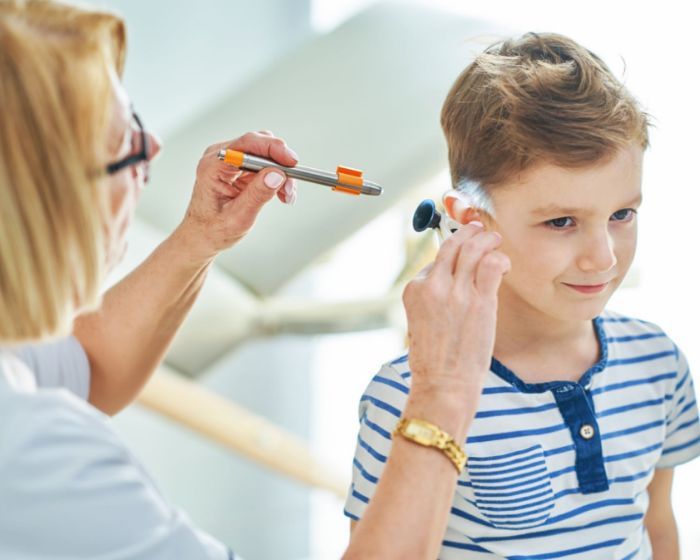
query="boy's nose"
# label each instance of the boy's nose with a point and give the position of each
(598, 253)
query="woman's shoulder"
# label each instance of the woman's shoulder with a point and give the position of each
(45, 426)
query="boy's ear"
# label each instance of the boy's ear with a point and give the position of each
(458, 208)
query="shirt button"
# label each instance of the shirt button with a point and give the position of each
(587, 431)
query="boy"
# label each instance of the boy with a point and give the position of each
(585, 412)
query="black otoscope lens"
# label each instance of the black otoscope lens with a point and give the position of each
(426, 216)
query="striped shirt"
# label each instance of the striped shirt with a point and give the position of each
(555, 470)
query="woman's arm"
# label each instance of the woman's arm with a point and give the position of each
(451, 311)
(128, 336)
(659, 520)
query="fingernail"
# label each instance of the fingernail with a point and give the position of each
(273, 179)
(476, 223)
(292, 198)
(289, 187)
(293, 154)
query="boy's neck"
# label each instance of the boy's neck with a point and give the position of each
(540, 348)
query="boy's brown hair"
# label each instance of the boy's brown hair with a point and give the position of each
(537, 98)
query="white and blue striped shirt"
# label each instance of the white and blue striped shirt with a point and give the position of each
(555, 470)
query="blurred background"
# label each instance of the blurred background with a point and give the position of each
(295, 321)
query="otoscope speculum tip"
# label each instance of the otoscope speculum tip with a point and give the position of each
(426, 216)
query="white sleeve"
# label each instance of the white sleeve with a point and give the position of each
(69, 488)
(60, 363)
(380, 409)
(682, 441)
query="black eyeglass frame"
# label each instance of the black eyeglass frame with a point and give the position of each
(132, 159)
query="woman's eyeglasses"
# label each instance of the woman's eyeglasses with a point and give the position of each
(141, 157)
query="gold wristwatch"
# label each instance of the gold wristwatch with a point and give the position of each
(429, 435)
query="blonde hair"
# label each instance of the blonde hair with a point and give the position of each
(56, 97)
(539, 98)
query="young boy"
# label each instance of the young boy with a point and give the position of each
(585, 412)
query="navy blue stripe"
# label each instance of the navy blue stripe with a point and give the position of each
(504, 455)
(538, 453)
(464, 546)
(566, 492)
(630, 338)
(482, 482)
(490, 470)
(563, 530)
(569, 552)
(625, 320)
(523, 517)
(528, 505)
(683, 426)
(557, 474)
(373, 452)
(361, 497)
(681, 447)
(381, 404)
(516, 500)
(391, 383)
(528, 522)
(509, 486)
(583, 509)
(364, 473)
(558, 450)
(635, 453)
(517, 434)
(350, 515)
(631, 555)
(514, 411)
(633, 382)
(376, 428)
(468, 517)
(633, 429)
(682, 411)
(515, 493)
(643, 358)
(400, 360)
(683, 379)
(631, 477)
(498, 390)
(632, 406)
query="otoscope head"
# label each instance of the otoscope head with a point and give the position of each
(426, 216)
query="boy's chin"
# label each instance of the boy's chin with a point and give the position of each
(581, 311)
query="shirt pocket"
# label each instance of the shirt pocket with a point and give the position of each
(512, 490)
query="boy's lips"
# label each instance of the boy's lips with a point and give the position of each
(588, 288)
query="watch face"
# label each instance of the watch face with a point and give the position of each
(422, 434)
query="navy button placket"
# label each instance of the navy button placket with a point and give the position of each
(578, 414)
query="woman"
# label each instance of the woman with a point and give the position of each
(73, 158)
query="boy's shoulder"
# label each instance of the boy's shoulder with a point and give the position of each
(395, 374)
(618, 327)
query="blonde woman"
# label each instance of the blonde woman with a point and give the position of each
(73, 158)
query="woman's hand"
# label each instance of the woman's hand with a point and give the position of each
(226, 200)
(451, 309)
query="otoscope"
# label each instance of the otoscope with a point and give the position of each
(458, 211)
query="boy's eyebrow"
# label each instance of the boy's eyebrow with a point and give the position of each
(556, 210)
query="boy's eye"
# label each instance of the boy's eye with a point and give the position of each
(624, 215)
(560, 223)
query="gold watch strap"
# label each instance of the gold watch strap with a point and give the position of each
(424, 433)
